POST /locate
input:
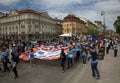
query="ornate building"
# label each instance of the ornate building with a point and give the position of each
(91, 27)
(73, 25)
(28, 24)
(101, 27)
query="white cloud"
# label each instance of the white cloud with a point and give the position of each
(108, 5)
(59, 15)
(56, 3)
(89, 14)
(89, 9)
(60, 8)
(8, 2)
(112, 10)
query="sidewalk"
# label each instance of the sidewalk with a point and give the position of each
(109, 70)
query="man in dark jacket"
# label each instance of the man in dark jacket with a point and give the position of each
(14, 61)
(62, 59)
(94, 62)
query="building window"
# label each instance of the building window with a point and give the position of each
(29, 28)
(67, 30)
(10, 29)
(22, 27)
(13, 29)
(6, 28)
(16, 28)
(73, 25)
(67, 25)
(73, 31)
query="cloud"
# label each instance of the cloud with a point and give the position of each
(89, 9)
(111, 9)
(54, 3)
(55, 14)
(8, 2)
(108, 5)
(62, 6)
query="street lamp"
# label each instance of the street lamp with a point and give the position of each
(39, 26)
(103, 14)
(18, 27)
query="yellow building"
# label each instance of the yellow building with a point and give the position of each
(73, 25)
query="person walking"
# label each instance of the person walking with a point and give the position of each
(14, 65)
(77, 56)
(31, 57)
(15, 53)
(84, 56)
(107, 47)
(62, 59)
(94, 63)
(4, 59)
(115, 48)
(70, 57)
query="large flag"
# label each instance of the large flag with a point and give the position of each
(45, 53)
(42, 52)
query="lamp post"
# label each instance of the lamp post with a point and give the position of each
(18, 27)
(39, 27)
(103, 14)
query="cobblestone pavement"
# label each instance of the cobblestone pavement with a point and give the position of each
(50, 72)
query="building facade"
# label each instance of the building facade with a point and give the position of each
(73, 25)
(101, 28)
(91, 28)
(28, 24)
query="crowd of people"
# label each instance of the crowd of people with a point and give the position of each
(79, 49)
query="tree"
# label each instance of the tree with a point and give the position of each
(117, 25)
(92, 32)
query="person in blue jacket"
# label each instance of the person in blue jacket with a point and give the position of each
(31, 57)
(70, 55)
(4, 59)
(94, 63)
(84, 56)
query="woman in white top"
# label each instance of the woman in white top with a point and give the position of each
(115, 47)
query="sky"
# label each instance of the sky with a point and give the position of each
(89, 9)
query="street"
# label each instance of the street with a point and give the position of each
(50, 72)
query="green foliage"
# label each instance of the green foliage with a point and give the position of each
(117, 25)
(92, 32)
